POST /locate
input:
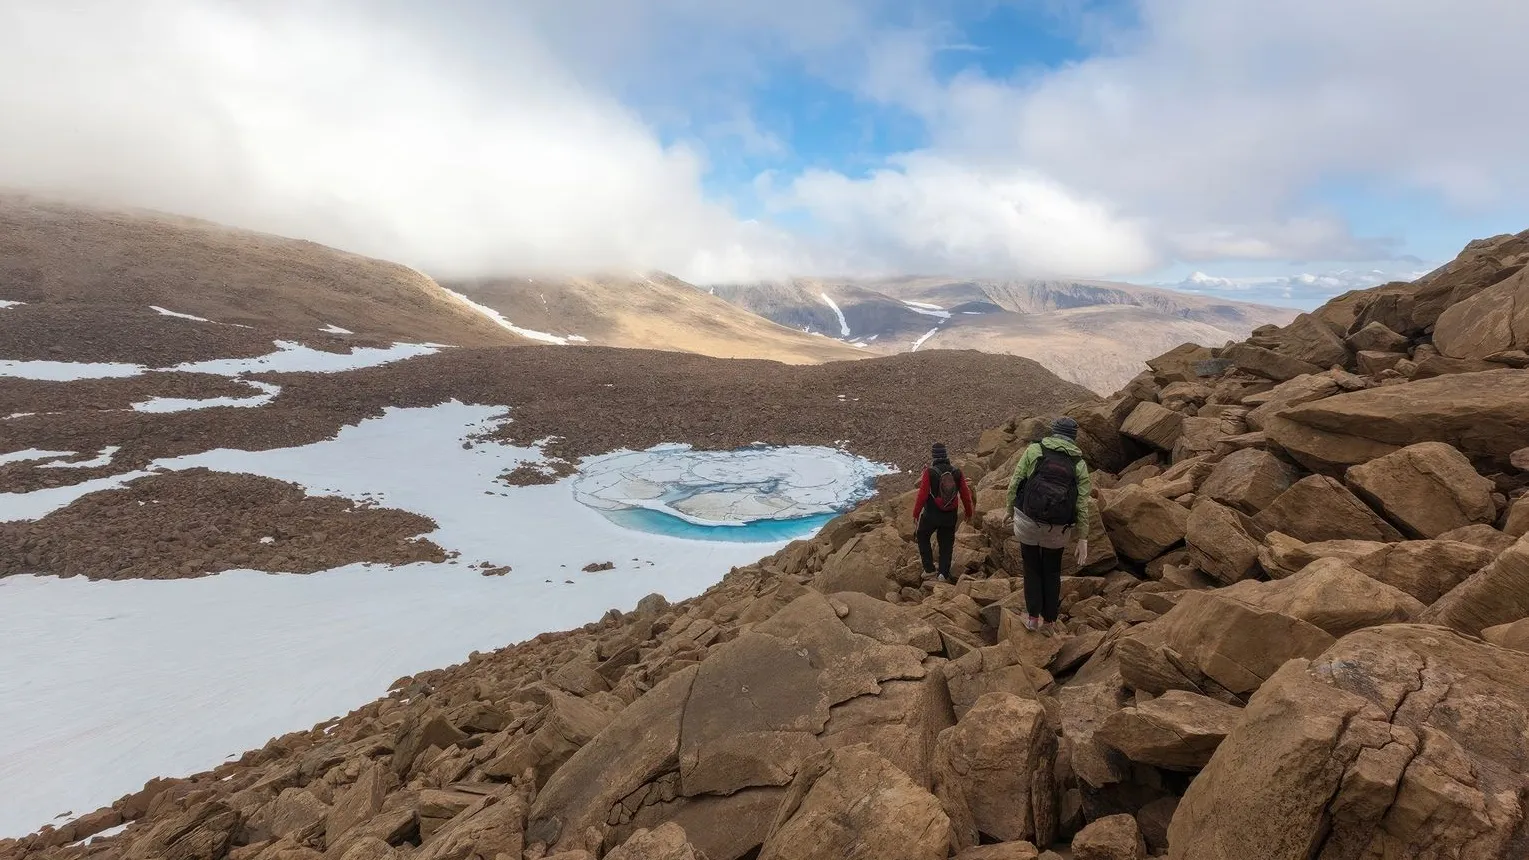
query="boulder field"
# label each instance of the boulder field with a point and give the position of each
(1302, 631)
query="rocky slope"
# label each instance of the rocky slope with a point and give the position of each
(88, 280)
(1302, 632)
(1093, 333)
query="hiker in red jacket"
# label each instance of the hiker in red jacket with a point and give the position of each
(941, 489)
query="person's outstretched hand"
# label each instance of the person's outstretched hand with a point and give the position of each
(1082, 552)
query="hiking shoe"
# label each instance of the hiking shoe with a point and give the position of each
(1032, 623)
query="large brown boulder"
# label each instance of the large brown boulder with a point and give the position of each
(1332, 596)
(866, 563)
(995, 669)
(1248, 480)
(1211, 641)
(1083, 705)
(1154, 425)
(1400, 741)
(993, 772)
(1375, 337)
(1302, 389)
(1493, 321)
(1314, 341)
(1425, 569)
(852, 803)
(1318, 508)
(1219, 542)
(494, 826)
(1425, 489)
(1143, 525)
(1497, 594)
(1114, 837)
(1178, 730)
(1283, 555)
(1267, 363)
(1484, 415)
(567, 723)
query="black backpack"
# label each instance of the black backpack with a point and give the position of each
(1050, 495)
(944, 486)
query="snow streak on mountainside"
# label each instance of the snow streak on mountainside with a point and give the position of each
(843, 325)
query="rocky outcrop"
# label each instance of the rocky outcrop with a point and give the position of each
(994, 772)
(1485, 415)
(1396, 738)
(1425, 489)
(1178, 730)
(1488, 324)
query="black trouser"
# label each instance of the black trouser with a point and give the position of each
(943, 528)
(1043, 581)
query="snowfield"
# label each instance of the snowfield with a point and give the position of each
(267, 393)
(289, 357)
(104, 685)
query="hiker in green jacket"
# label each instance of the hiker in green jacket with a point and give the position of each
(1049, 497)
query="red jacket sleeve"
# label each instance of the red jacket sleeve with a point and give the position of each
(923, 493)
(966, 497)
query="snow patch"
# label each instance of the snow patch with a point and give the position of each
(101, 460)
(291, 357)
(927, 309)
(181, 404)
(67, 371)
(334, 329)
(499, 319)
(5, 303)
(110, 831)
(927, 335)
(32, 454)
(843, 324)
(167, 313)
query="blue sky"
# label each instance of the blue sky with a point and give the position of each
(1276, 153)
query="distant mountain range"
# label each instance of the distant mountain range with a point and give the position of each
(1095, 333)
(73, 263)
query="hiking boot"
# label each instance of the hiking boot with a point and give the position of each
(1032, 623)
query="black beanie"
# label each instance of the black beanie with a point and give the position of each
(938, 453)
(1065, 426)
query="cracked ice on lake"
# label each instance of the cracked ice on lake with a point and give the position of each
(727, 488)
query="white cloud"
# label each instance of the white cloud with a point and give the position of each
(477, 135)
(329, 126)
(927, 214)
(1303, 290)
(1216, 118)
